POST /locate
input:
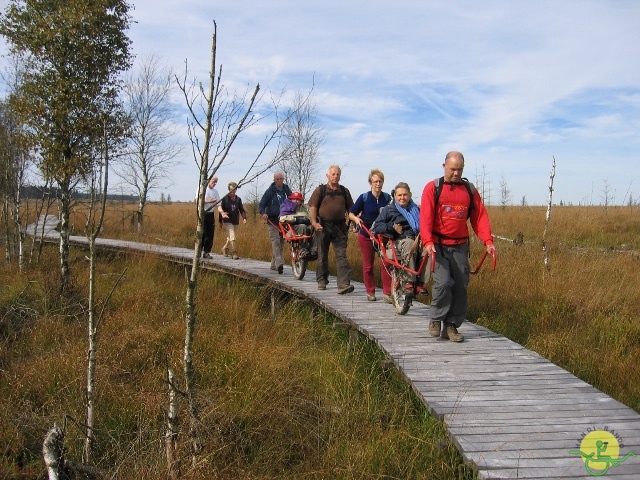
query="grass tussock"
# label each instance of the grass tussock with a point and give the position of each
(282, 397)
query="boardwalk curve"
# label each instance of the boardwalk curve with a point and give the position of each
(510, 412)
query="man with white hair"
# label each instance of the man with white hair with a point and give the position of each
(328, 209)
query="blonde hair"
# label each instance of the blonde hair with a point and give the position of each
(377, 172)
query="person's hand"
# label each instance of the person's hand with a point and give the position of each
(397, 227)
(491, 249)
(431, 249)
(265, 216)
(317, 226)
(244, 220)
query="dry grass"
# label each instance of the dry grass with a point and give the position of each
(285, 397)
(582, 314)
(279, 398)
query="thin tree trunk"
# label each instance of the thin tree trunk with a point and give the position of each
(548, 216)
(93, 231)
(91, 361)
(65, 208)
(171, 433)
(7, 231)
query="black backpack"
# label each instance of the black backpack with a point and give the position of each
(323, 193)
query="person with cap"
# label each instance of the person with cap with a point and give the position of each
(231, 209)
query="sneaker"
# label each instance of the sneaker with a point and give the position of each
(345, 289)
(420, 290)
(304, 254)
(450, 332)
(234, 256)
(371, 297)
(387, 298)
(322, 286)
(273, 267)
(313, 255)
(280, 269)
(207, 255)
(408, 288)
(225, 251)
(434, 328)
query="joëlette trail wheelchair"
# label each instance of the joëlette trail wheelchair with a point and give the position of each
(296, 246)
(403, 292)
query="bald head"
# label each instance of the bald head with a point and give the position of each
(453, 166)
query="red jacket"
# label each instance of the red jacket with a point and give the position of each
(448, 224)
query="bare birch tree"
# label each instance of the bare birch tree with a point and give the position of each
(216, 119)
(16, 156)
(153, 149)
(552, 176)
(114, 125)
(302, 137)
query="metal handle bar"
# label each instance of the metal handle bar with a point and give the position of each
(494, 260)
(289, 230)
(379, 241)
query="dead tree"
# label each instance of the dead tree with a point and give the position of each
(216, 119)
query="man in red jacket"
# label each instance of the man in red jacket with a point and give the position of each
(444, 230)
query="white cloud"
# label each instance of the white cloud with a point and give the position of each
(399, 84)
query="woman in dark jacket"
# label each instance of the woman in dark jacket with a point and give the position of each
(231, 209)
(400, 221)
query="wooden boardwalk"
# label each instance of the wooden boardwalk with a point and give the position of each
(510, 412)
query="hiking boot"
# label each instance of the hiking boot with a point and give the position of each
(345, 289)
(225, 251)
(387, 298)
(322, 286)
(371, 297)
(434, 328)
(450, 332)
(234, 255)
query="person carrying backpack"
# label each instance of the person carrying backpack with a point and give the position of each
(445, 207)
(328, 207)
(363, 212)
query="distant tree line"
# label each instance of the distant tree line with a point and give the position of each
(38, 192)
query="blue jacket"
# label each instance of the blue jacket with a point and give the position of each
(389, 216)
(271, 201)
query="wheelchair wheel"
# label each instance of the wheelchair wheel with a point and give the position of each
(298, 265)
(401, 302)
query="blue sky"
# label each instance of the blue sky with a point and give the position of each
(509, 83)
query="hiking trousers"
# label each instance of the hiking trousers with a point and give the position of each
(449, 293)
(336, 234)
